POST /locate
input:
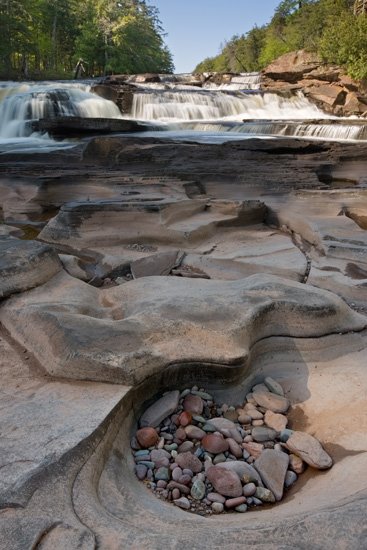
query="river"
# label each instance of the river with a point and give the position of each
(180, 111)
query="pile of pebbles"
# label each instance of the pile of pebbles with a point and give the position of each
(207, 458)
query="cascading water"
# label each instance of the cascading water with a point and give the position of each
(20, 105)
(190, 107)
(181, 105)
(245, 81)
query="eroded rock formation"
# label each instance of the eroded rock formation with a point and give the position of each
(248, 259)
(326, 85)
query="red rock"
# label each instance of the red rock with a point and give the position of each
(176, 494)
(189, 461)
(184, 479)
(180, 434)
(185, 418)
(215, 443)
(255, 449)
(233, 502)
(147, 437)
(182, 488)
(225, 482)
(193, 404)
(185, 446)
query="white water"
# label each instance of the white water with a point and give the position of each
(245, 81)
(21, 104)
(170, 106)
(211, 114)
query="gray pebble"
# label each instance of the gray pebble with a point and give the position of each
(141, 471)
(198, 490)
(217, 507)
(290, 478)
(241, 508)
(183, 503)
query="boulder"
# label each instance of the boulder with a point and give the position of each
(292, 66)
(330, 95)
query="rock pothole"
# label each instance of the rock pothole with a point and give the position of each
(210, 458)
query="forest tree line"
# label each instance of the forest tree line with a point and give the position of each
(329, 28)
(47, 38)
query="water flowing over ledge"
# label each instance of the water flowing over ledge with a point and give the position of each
(213, 112)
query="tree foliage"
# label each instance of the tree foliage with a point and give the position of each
(48, 37)
(326, 27)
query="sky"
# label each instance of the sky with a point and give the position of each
(196, 28)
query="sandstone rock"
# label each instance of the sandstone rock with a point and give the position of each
(160, 409)
(162, 473)
(242, 469)
(185, 446)
(264, 494)
(193, 404)
(160, 457)
(309, 449)
(262, 433)
(217, 507)
(176, 473)
(234, 502)
(141, 471)
(128, 355)
(25, 264)
(254, 414)
(147, 437)
(272, 467)
(290, 478)
(215, 443)
(244, 418)
(193, 432)
(216, 497)
(260, 387)
(249, 489)
(157, 264)
(232, 433)
(175, 485)
(183, 503)
(273, 386)
(234, 448)
(291, 67)
(225, 482)
(222, 423)
(331, 95)
(255, 449)
(271, 401)
(277, 422)
(189, 461)
(185, 419)
(296, 464)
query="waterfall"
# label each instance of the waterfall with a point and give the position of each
(335, 129)
(209, 105)
(244, 81)
(216, 112)
(22, 104)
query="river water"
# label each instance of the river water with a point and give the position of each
(212, 114)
